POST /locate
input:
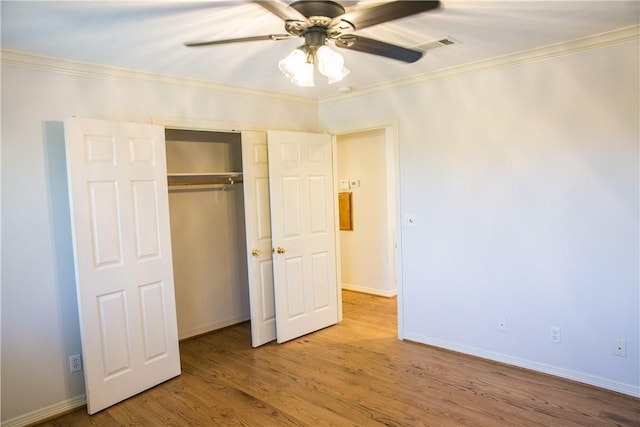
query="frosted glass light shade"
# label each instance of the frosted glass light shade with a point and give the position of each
(304, 75)
(331, 64)
(296, 67)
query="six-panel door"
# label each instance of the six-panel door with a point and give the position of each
(303, 232)
(255, 166)
(122, 248)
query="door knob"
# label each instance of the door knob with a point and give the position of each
(255, 252)
(280, 250)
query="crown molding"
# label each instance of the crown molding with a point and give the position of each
(219, 126)
(38, 62)
(76, 68)
(597, 41)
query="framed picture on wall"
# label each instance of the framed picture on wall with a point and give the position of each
(345, 210)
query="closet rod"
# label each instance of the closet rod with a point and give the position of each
(196, 183)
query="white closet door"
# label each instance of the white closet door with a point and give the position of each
(255, 166)
(303, 229)
(122, 248)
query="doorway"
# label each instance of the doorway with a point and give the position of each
(366, 169)
(206, 208)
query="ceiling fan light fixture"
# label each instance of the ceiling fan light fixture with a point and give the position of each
(331, 64)
(304, 75)
(297, 67)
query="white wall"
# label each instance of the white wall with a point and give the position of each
(364, 251)
(39, 316)
(524, 181)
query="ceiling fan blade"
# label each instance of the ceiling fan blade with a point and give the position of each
(376, 47)
(280, 9)
(239, 40)
(369, 16)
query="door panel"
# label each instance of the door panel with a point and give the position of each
(255, 166)
(321, 282)
(268, 299)
(153, 320)
(114, 329)
(317, 204)
(145, 209)
(122, 250)
(294, 277)
(291, 207)
(303, 228)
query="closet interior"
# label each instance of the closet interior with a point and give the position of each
(206, 207)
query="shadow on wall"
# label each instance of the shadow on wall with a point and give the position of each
(64, 271)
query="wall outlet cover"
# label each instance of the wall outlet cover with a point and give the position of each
(502, 324)
(620, 348)
(75, 363)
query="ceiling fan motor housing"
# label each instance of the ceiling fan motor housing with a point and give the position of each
(315, 36)
(310, 8)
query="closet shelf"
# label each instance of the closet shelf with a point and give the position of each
(213, 178)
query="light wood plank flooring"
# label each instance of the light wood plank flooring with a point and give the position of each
(355, 374)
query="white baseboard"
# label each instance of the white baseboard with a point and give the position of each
(46, 412)
(373, 291)
(211, 327)
(593, 380)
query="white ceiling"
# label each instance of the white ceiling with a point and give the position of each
(148, 36)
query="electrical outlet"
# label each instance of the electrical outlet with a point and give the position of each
(75, 363)
(555, 334)
(502, 324)
(620, 348)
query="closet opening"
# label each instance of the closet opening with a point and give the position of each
(206, 207)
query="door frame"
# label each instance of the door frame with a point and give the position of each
(392, 142)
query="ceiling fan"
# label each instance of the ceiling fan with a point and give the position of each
(318, 21)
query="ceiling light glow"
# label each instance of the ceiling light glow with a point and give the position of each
(298, 65)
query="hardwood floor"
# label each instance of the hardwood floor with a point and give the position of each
(355, 373)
